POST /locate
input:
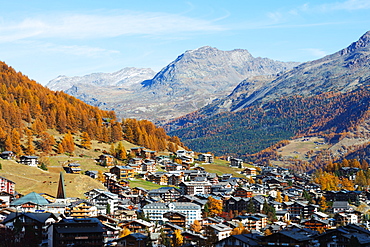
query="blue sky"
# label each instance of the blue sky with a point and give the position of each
(44, 39)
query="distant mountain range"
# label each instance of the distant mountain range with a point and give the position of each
(124, 78)
(193, 80)
(229, 102)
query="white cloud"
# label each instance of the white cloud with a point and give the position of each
(347, 5)
(317, 53)
(78, 26)
(75, 50)
(16, 31)
(78, 50)
(277, 18)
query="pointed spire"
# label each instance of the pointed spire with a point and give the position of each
(61, 194)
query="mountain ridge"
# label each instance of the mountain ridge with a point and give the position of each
(305, 79)
(346, 71)
(125, 77)
(193, 80)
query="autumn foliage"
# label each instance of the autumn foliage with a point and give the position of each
(333, 115)
(335, 176)
(28, 110)
(214, 206)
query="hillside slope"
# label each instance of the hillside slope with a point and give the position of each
(28, 110)
(30, 179)
(61, 129)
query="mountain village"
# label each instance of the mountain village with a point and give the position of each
(234, 111)
(264, 206)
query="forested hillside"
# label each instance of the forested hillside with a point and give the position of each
(325, 96)
(337, 176)
(329, 114)
(28, 110)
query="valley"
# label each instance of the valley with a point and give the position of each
(160, 129)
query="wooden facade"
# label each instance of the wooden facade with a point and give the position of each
(176, 218)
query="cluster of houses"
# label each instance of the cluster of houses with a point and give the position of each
(265, 206)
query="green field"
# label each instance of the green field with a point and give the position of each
(222, 167)
(145, 184)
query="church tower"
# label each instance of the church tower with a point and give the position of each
(61, 193)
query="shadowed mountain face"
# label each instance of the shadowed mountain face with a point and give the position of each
(343, 71)
(346, 72)
(193, 80)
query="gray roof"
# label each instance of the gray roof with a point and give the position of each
(40, 217)
(340, 204)
(107, 194)
(32, 197)
(173, 226)
(178, 205)
(140, 188)
(156, 205)
(125, 167)
(221, 227)
(74, 164)
(298, 234)
(143, 222)
(79, 226)
(162, 190)
(136, 235)
(250, 239)
(281, 212)
(215, 219)
(75, 203)
(29, 157)
(186, 205)
(195, 199)
(259, 199)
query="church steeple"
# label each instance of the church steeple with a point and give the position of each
(61, 194)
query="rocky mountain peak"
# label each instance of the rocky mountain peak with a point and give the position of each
(193, 80)
(208, 51)
(363, 42)
(343, 71)
(203, 49)
(210, 68)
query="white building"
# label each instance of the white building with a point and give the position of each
(180, 153)
(156, 210)
(29, 160)
(346, 219)
(193, 187)
(206, 158)
(103, 200)
(222, 231)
